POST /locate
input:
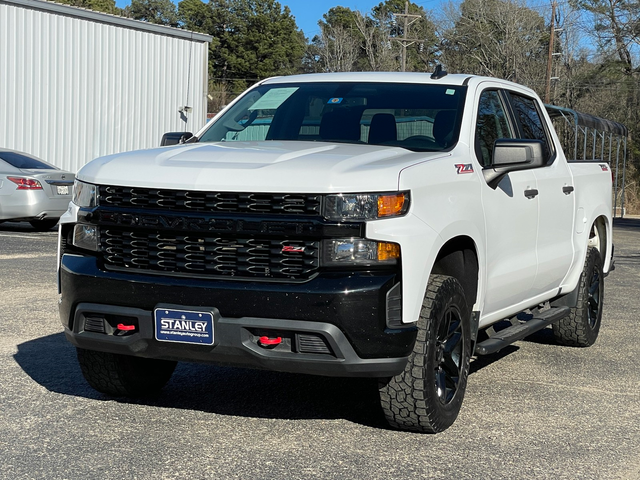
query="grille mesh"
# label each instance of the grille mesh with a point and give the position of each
(197, 254)
(213, 202)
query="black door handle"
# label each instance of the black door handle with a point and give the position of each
(567, 190)
(531, 193)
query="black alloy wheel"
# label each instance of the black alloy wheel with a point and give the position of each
(449, 355)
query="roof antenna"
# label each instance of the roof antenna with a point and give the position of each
(439, 73)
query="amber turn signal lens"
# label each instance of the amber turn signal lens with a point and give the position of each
(388, 251)
(389, 205)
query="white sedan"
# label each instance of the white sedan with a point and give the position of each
(32, 190)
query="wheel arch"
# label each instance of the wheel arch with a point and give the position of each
(601, 226)
(599, 237)
(458, 258)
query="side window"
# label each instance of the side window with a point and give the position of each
(491, 125)
(530, 121)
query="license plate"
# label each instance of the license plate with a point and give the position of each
(62, 190)
(184, 326)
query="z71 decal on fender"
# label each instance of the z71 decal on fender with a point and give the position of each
(464, 168)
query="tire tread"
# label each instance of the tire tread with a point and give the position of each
(403, 397)
(574, 329)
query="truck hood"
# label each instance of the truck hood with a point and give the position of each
(269, 166)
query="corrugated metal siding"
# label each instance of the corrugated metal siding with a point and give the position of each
(72, 89)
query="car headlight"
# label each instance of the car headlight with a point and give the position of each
(85, 194)
(358, 251)
(357, 207)
(86, 237)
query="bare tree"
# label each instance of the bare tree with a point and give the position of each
(381, 54)
(337, 47)
(615, 23)
(499, 38)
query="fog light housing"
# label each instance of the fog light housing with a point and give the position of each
(86, 237)
(358, 251)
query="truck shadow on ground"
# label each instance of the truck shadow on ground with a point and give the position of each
(51, 362)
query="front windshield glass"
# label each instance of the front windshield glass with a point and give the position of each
(414, 116)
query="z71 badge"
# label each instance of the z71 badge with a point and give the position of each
(464, 168)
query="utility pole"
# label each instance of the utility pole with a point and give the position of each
(405, 41)
(547, 90)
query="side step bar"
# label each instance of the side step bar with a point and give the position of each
(517, 332)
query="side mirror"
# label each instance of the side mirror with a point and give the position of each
(512, 155)
(174, 138)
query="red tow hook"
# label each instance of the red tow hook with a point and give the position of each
(122, 328)
(269, 342)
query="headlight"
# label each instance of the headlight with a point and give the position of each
(86, 237)
(356, 207)
(85, 194)
(358, 251)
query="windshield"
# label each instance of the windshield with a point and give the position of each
(413, 116)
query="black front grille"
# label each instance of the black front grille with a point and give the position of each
(212, 202)
(197, 254)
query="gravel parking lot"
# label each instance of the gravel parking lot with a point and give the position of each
(534, 410)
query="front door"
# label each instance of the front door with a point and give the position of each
(511, 218)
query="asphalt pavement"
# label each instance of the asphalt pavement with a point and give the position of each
(535, 410)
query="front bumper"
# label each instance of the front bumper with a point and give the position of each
(342, 315)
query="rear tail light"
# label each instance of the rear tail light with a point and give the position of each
(26, 183)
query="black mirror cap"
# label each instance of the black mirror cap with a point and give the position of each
(510, 155)
(174, 138)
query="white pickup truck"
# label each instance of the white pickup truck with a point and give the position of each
(351, 224)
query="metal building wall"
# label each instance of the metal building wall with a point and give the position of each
(73, 89)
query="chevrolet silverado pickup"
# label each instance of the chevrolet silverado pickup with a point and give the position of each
(385, 225)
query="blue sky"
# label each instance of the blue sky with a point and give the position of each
(308, 12)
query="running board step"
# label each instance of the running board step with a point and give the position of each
(514, 333)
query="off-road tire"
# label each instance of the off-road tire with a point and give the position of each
(413, 400)
(580, 328)
(124, 375)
